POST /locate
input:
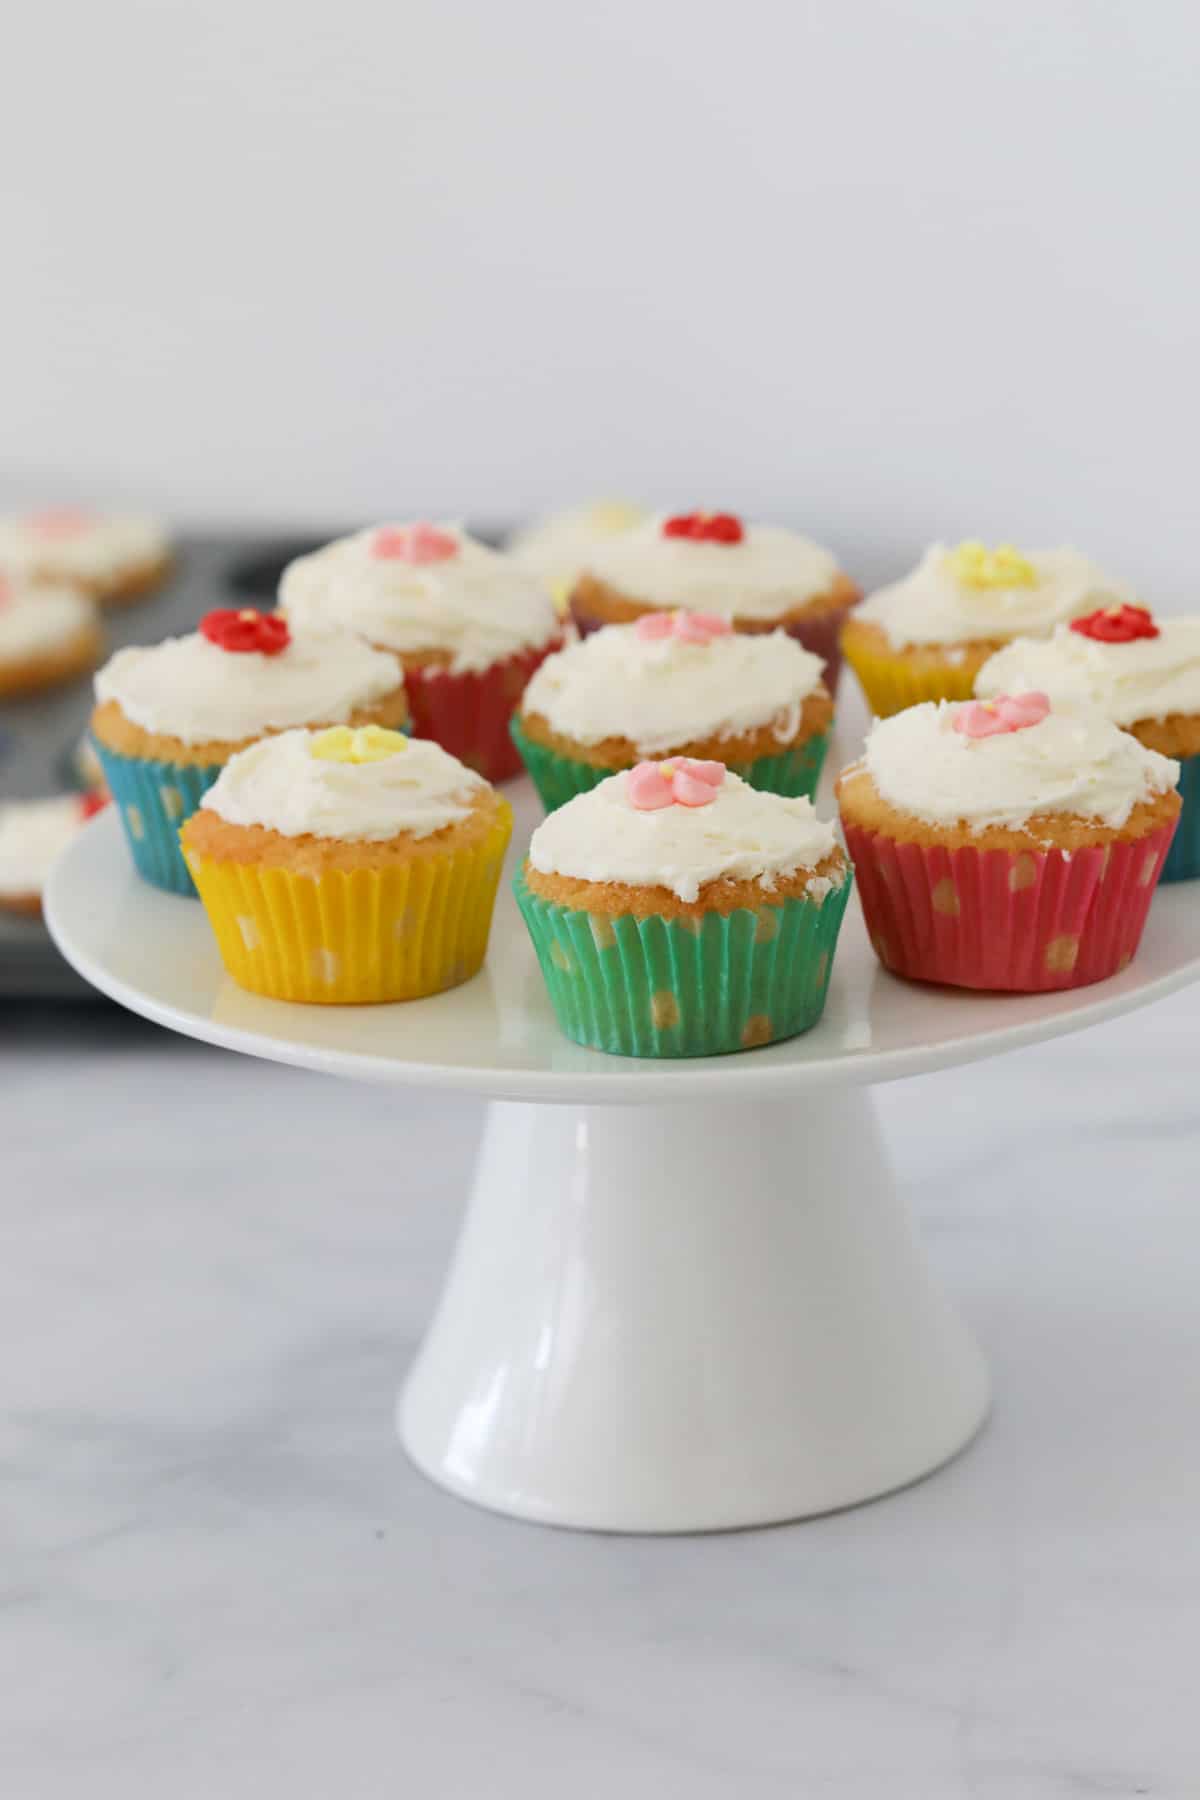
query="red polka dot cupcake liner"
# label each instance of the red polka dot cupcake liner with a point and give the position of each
(1021, 922)
(686, 987)
(468, 714)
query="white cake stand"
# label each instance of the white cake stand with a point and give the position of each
(685, 1295)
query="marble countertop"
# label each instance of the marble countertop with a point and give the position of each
(221, 1580)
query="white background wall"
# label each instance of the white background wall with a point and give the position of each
(890, 270)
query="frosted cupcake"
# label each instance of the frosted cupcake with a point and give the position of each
(1142, 673)
(927, 637)
(1002, 845)
(675, 685)
(113, 556)
(349, 865)
(759, 577)
(168, 717)
(33, 835)
(48, 635)
(676, 911)
(557, 548)
(469, 625)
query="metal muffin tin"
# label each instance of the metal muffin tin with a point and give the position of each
(39, 736)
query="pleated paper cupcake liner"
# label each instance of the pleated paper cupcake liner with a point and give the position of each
(1183, 858)
(891, 682)
(355, 936)
(154, 799)
(667, 987)
(820, 632)
(468, 714)
(558, 778)
(1010, 921)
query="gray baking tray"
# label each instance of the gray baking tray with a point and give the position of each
(39, 736)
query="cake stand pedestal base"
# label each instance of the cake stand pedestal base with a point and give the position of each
(688, 1317)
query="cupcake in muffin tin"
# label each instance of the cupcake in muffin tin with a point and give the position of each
(677, 911)
(167, 718)
(758, 577)
(469, 624)
(1005, 846)
(48, 635)
(926, 637)
(675, 684)
(1142, 673)
(115, 557)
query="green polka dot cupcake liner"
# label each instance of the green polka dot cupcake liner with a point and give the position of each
(153, 800)
(1183, 858)
(792, 772)
(670, 987)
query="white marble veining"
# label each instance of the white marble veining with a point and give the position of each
(220, 1580)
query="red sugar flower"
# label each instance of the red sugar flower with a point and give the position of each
(705, 528)
(242, 628)
(1117, 624)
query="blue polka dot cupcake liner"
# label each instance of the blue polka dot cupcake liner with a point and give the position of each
(659, 987)
(153, 800)
(1183, 858)
(793, 772)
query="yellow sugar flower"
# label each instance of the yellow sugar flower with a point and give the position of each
(364, 744)
(974, 565)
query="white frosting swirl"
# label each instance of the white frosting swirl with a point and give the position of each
(281, 786)
(665, 693)
(602, 836)
(1148, 678)
(191, 689)
(1069, 763)
(479, 605)
(33, 834)
(558, 548)
(930, 606)
(39, 620)
(771, 571)
(100, 547)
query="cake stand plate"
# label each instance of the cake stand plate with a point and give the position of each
(686, 1295)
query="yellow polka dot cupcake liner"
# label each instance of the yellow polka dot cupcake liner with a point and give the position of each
(893, 682)
(153, 800)
(671, 987)
(358, 936)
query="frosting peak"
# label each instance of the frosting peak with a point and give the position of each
(429, 588)
(1127, 679)
(605, 835)
(922, 763)
(759, 572)
(285, 784)
(664, 689)
(960, 596)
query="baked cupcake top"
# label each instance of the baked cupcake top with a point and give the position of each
(244, 672)
(968, 593)
(714, 562)
(1120, 661)
(558, 547)
(421, 588)
(360, 785)
(1000, 762)
(673, 678)
(33, 834)
(680, 825)
(34, 619)
(70, 543)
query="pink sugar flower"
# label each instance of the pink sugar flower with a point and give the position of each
(1007, 712)
(414, 544)
(688, 627)
(681, 782)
